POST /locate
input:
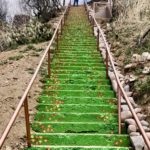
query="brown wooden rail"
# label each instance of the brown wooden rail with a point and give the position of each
(120, 89)
(24, 99)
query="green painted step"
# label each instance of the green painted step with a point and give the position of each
(76, 127)
(78, 60)
(79, 148)
(72, 80)
(76, 100)
(79, 67)
(77, 64)
(81, 93)
(71, 139)
(67, 74)
(77, 87)
(77, 108)
(76, 117)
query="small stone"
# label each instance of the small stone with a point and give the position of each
(129, 94)
(130, 122)
(136, 58)
(138, 110)
(125, 115)
(132, 128)
(134, 134)
(145, 56)
(133, 102)
(8, 148)
(127, 88)
(114, 85)
(146, 70)
(123, 101)
(148, 135)
(137, 142)
(111, 76)
(124, 107)
(141, 116)
(129, 66)
(147, 129)
(144, 123)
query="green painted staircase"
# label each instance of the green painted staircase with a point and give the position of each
(77, 108)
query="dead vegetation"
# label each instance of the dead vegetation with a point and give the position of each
(129, 36)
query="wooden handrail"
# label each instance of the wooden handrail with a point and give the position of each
(25, 95)
(143, 133)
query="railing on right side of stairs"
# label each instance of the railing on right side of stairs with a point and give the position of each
(120, 90)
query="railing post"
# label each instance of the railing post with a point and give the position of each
(119, 109)
(106, 64)
(93, 25)
(57, 38)
(97, 39)
(48, 67)
(26, 110)
(61, 27)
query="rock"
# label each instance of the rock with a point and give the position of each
(123, 101)
(138, 110)
(114, 85)
(111, 75)
(136, 58)
(132, 128)
(124, 107)
(130, 122)
(129, 94)
(146, 70)
(129, 66)
(148, 135)
(137, 142)
(133, 102)
(144, 123)
(147, 129)
(141, 116)
(145, 55)
(148, 58)
(127, 88)
(132, 78)
(8, 148)
(125, 115)
(134, 134)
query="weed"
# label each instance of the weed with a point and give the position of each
(118, 53)
(15, 58)
(30, 70)
(3, 62)
(39, 49)
(34, 54)
(30, 46)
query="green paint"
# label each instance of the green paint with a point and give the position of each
(77, 106)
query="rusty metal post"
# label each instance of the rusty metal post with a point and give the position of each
(119, 109)
(26, 110)
(106, 64)
(61, 27)
(97, 39)
(57, 38)
(49, 61)
(93, 24)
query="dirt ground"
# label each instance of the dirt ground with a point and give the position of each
(14, 78)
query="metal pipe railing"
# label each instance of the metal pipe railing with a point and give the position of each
(24, 100)
(120, 91)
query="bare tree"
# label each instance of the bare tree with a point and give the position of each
(44, 9)
(64, 2)
(3, 10)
